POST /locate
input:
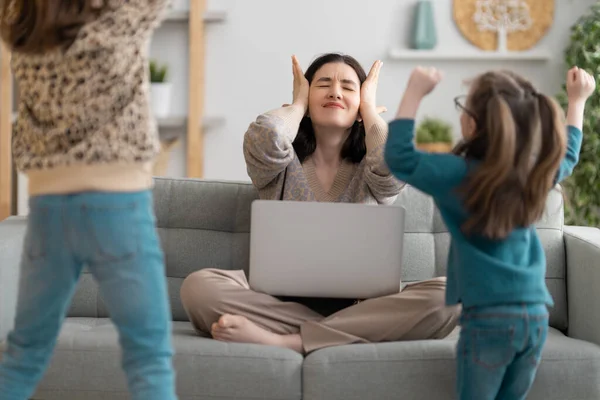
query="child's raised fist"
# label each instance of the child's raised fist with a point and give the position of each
(580, 84)
(423, 80)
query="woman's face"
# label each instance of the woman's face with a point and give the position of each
(334, 96)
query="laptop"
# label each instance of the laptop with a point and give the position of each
(333, 250)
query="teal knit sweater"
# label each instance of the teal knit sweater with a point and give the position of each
(481, 272)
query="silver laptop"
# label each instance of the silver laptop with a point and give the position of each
(336, 250)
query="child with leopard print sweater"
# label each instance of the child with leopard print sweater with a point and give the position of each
(86, 140)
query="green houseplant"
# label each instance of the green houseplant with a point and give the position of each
(160, 89)
(582, 189)
(434, 135)
(158, 73)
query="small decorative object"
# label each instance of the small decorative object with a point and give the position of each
(502, 17)
(504, 25)
(424, 31)
(160, 90)
(434, 136)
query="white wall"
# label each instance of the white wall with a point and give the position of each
(248, 67)
(248, 60)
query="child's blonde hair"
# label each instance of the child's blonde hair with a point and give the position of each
(37, 26)
(519, 143)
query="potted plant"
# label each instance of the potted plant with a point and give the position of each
(434, 136)
(160, 90)
(582, 188)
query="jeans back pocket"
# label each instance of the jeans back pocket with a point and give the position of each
(113, 232)
(492, 348)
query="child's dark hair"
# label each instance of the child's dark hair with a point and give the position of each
(518, 144)
(38, 26)
(354, 148)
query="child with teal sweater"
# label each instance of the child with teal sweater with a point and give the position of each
(490, 192)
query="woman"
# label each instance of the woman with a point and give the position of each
(326, 146)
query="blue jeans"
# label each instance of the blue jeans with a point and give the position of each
(499, 351)
(114, 235)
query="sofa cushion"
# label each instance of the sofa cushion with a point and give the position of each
(206, 224)
(424, 370)
(86, 366)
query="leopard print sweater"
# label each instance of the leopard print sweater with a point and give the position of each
(84, 121)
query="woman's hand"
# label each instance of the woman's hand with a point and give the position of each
(368, 91)
(301, 86)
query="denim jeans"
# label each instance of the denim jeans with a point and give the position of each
(499, 351)
(114, 235)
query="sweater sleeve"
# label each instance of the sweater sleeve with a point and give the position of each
(381, 183)
(151, 10)
(124, 23)
(574, 140)
(432, 173)
(268, 146)
(132, 18)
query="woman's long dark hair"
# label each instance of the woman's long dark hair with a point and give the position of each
(354, 148)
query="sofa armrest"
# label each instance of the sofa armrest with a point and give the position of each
(12, 233)
(582, 246)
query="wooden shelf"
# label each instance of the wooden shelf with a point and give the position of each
(172, 122)
(184, 16)
(470, 55)
(181, 122)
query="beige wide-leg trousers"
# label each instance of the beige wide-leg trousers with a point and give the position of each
(417, 312)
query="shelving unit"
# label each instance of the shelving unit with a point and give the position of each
(469, 55)
(6, 168)
(179, 122)
(193, 124)
(184, 16)
(196, 17)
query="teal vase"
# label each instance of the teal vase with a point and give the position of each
(424, 32)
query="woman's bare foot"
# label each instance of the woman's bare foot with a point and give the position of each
(235, 328)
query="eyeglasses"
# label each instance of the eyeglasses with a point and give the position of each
(459, 102)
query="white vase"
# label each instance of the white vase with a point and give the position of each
(160, 94)
(502, 39)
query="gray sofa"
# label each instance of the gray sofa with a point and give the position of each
(205, 224)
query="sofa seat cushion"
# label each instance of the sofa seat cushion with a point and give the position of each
(425, 370)
(86, 366)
